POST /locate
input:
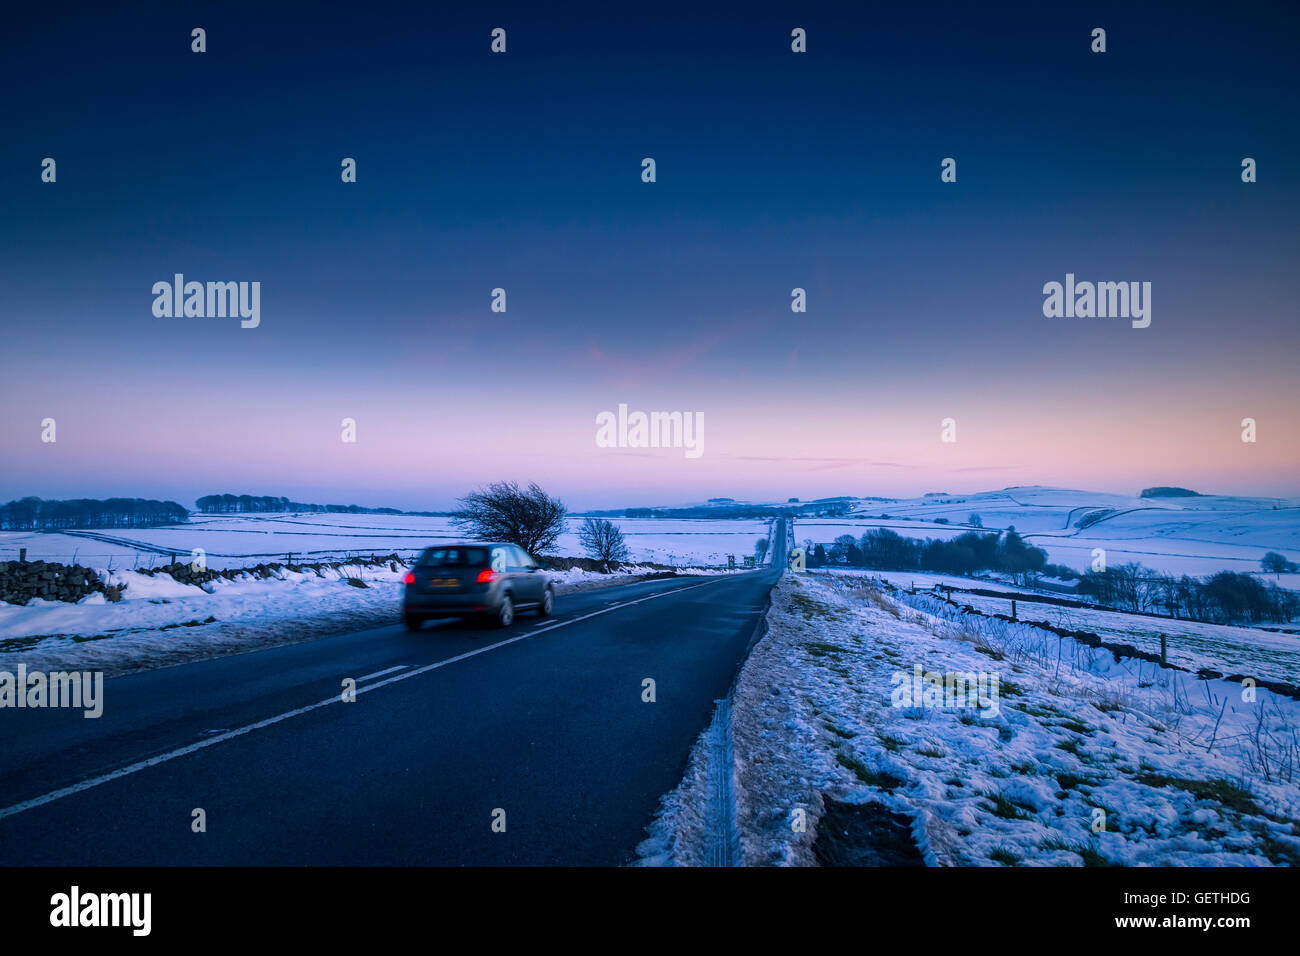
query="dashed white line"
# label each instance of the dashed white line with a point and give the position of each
(391, 670)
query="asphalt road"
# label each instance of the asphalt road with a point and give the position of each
(545, 721)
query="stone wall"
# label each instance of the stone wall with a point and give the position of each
(20, 581)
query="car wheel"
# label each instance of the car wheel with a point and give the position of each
(506, 612)
(413, 621)
(548, 603)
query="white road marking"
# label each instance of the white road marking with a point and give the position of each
(299, 711)
(391, 670)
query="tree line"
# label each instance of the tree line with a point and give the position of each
(1224, 598)
(37, 514)
(886, 550)
(270, 504)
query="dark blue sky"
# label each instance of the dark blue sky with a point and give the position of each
(775, 170)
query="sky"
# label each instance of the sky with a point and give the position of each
(523, 171)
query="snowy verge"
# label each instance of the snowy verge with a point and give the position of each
(1068, 757)
(160, 621)
(695, 823)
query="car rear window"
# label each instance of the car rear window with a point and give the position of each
(453, 558)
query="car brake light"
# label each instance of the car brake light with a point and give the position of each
(484, 576)
(410, 578)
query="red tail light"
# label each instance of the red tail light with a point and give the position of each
(410, 578)
(484, 576)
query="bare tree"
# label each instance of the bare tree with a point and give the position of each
(603, 540)
(760, 550)
(503, 511)
(1275, 563)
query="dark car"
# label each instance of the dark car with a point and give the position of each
(474, 579)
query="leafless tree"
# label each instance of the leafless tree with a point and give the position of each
(503, 511)
(603, 541)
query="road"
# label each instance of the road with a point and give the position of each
(545, 721)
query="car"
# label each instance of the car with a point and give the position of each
(485, 580)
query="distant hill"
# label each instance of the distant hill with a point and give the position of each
(1161, 491)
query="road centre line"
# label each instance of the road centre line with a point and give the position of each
(391, 670)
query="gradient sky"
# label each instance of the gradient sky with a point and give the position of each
(775, 170)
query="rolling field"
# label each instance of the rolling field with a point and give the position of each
(241, 540)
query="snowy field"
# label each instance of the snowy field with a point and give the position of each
(1195, 536)
(1069, 759)
(1251, 651)
(243, 540)
(1192, 535)
(1189, 644)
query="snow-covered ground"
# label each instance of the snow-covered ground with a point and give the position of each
(1071, 758)
(242, 540)
(1250, 651)
(1194, 535)
(1256, 652)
